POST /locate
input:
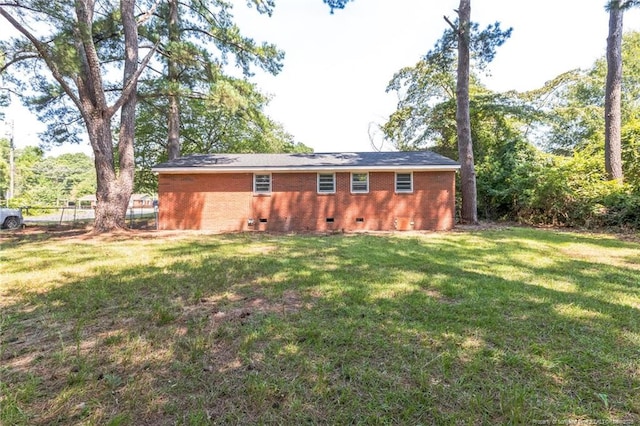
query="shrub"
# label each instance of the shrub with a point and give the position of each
(528, 186)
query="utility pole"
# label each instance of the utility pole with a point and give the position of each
(12, 163)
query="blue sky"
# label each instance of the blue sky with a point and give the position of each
(332, 88)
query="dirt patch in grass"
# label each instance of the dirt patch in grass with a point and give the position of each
(85, 233)
(54, 232)
(237, 307)
(39, 233)
(436, 295)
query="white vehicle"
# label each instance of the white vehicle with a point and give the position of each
(11, 218)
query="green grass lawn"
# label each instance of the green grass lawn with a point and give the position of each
(502, 326)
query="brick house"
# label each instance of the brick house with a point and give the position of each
(308, 192)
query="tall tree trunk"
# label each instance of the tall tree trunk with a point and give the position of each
(114, 189)
(126, 155)
(114, 184)
(173, 119)
(469, 213)
(613, 93)
(111, 197)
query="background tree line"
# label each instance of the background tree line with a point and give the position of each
(539, 155)
(46, 181)
(161, 73)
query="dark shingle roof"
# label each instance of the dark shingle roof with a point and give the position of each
(314, 161)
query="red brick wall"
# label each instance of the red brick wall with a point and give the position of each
(225, 202)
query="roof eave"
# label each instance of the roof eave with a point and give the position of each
(202, 170)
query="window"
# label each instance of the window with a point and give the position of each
(359, 182)
(404, 182)
(327, 183)
(262, 184)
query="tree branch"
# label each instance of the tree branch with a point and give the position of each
(148, 14)
(42, 51)
(239, 47)
(450, 23)
(18, 59)
(11, 91)
(84, 12)
(129, 87)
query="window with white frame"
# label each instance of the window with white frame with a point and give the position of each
(359, 182)
(404, 182)
(262, 183)
(326, 183)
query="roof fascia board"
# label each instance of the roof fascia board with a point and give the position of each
(199, 170)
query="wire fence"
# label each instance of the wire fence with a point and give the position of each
(76, 216)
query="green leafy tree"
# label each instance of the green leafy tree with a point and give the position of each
(631, 151)
(53, 180)
(439, 82)
(574, 103)
(73, 52)
(439, 98)
(83, 44)
(489, 41)
(230, 119)
(613, 89)
(570, 111)
(196, 40)
(570, 185)
(193, 104)
(26, 161)
(4, 167)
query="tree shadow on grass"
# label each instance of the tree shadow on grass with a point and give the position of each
(331, 329)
